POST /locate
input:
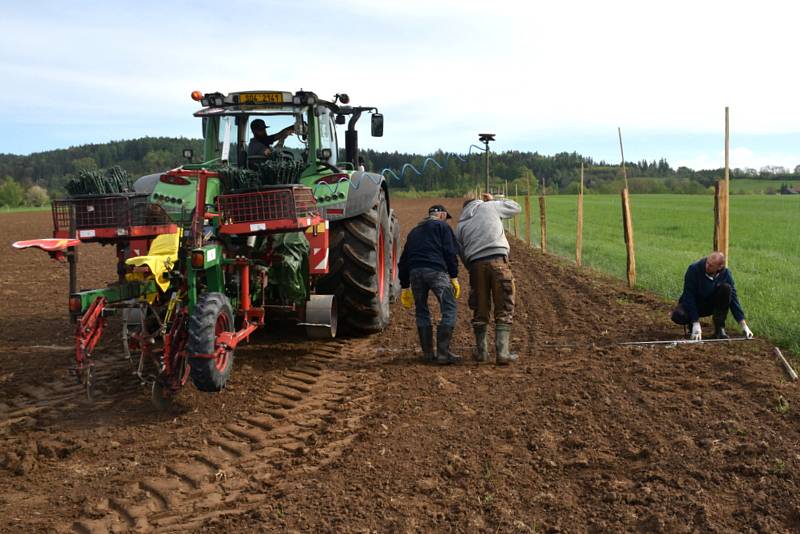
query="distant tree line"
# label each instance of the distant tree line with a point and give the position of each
(29, 179)
(51, 170)
(559, 173)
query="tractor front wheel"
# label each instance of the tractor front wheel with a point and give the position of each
(210, 368)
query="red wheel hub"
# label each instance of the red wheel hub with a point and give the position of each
(223, 325)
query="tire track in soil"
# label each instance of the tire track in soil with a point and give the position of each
(293, 428)
(40, 402)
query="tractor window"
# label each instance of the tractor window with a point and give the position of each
(276, 123)
(327, 134)
(229, 147)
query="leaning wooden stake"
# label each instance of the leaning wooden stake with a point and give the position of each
(627, 220)
(579, 238)
(528, 229)
(791, 372)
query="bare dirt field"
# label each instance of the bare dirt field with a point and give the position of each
(357, 435)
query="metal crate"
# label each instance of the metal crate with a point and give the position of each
(109, 217)
(284, 208)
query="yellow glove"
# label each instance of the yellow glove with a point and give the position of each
(407, 298)
(456, 287)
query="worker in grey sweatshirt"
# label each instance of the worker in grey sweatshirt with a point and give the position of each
(484, 250)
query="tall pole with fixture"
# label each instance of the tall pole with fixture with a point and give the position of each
(486, 138)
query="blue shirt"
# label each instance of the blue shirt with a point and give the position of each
(430, 244)
(698, 291)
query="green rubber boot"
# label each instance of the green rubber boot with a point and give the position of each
(502, 344)
(481, 352)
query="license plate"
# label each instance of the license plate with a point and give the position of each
(261, 98)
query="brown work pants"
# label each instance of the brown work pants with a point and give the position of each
(491, 282)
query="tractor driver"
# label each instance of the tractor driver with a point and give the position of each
(260, 143)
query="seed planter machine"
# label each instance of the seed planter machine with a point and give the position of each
(209, 252)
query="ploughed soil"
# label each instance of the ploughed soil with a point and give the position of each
(358, 435)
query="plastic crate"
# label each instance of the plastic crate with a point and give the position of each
(114, 217)
(272, 209)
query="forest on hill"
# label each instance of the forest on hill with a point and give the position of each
(29, 179)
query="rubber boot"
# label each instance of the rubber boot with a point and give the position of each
(481, 352)
(443, 355)
(426, 342)
(502, 344)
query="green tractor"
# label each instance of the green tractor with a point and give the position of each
(274, 227)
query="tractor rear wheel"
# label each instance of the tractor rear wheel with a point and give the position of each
(361, 269)
(212, 316)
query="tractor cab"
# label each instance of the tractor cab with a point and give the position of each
(229, 136)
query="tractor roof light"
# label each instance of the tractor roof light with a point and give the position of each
(213, 99)
(486, 137)
(197, 96)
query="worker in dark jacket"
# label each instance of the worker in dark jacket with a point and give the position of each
(708, 289)
(429, 262)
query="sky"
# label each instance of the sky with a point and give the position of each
(543, 76)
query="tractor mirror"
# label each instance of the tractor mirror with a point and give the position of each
(340, 119)
(344, 98)
(188, 153)
(377, 125)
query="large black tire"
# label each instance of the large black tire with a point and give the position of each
(394, 285)
(212, 315)
(360, 270)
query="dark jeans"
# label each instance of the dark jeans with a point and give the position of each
(717, 305)
(437, 282)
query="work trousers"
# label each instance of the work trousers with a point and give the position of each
(717, 305)
(424, 280)
(491, 283)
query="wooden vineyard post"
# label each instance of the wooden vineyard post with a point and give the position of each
(722, 200)
(715, 245)
(543, 223)
(516, 217)
(627, 224)
(627, 221)
(528, 229)
(579, 237)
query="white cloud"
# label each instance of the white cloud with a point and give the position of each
(440, 69)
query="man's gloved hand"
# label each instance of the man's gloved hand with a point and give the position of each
(746, 330)
(697, 332)
(407, 298)
(456, 287)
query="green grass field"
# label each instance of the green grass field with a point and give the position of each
(671, 231)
